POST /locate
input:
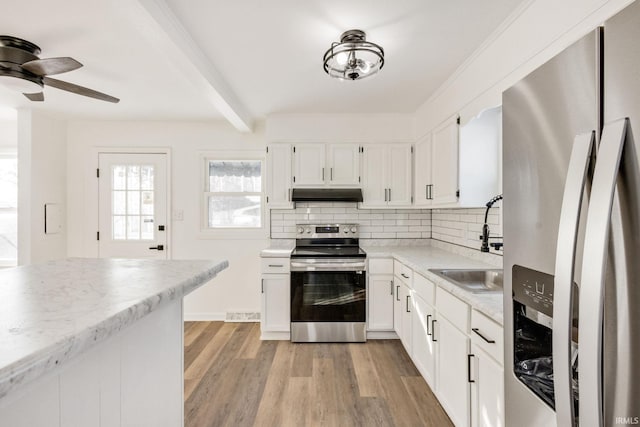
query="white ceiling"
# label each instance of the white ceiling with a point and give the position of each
(209, 59)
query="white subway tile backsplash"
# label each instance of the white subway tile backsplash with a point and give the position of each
(464, 226)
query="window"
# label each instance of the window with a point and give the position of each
(8, 210)
(233, 194)
(132, 203)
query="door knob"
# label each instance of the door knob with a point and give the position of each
(158, 248)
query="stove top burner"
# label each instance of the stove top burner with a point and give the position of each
(328, 252)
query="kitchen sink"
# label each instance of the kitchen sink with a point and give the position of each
(475, 281)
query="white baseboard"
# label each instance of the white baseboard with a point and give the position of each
(279, 336)
(382, 335)
(204, 317)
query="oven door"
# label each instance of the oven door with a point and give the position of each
(328, 291)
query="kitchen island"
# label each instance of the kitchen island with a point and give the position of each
(95, 341)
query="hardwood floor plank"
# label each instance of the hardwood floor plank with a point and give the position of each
(249, 349)
(427, 404)
(324, 398)
(401, 360)
(368, 381)
(296, 403)
(196, 347)
(194, 330)
(270, 409)
(374, 411)
(302, 360)
(347, 389)
(205, 358)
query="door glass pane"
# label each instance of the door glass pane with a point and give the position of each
(146, 177)
(133, 178)
(147, 228)
(119, 228)
(235, 176)
(119, 174)
(234, 211)
(133, 227)
(147, 203)
(133, 202)
(119, 202)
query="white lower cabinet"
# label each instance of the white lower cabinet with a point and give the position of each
(424, 348)
(452, 374)
(380, 295)
(487, 390)
(275, 286)
(406, 302)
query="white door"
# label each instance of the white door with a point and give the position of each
(132, 205)
(422, 172)
(309, 167)
(424, 349)
(406, 298)
(276, 297)
(279, 176)
(487, 394)
(381, 302)
(344, 164)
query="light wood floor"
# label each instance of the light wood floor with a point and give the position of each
(234, 379)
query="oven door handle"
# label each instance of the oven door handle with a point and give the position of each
(329, 266)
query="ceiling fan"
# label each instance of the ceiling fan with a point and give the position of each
(22, 69)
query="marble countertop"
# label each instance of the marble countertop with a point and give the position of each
(280, 248)
(54, 311)
(422, 258)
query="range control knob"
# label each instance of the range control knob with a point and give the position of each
(354, 229)
(346, 230)
(300, 230)
(308, 230)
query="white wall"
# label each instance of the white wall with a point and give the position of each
(536, 32)
(237, 289)
(8, 134)
(42, 165)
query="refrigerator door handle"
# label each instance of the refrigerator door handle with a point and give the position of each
(594, 270)
(563, 282)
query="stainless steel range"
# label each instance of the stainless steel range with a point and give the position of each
(328, 284)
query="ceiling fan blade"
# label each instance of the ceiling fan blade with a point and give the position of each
(38, 96)
(49, 66)
(70, 87)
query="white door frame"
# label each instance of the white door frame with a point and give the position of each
(92, 194)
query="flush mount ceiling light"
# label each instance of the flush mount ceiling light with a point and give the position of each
(354, 58)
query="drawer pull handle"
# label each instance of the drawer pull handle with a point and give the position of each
(276, 265)
(433, 330)
(408, 311)
(428, 317)
(397, 292)
(469, 356)
(403, 275)
(476, 330)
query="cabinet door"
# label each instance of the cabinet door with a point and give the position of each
(399, 175)
(279, 176)
(424, 350)
(397, 306)
(276, 307)
(451, 379)
(374, 171)
(309, 165)
(445, 162)
(381, 293)
(344, 164)
(422, 172)
(406, 301)
(487, 392)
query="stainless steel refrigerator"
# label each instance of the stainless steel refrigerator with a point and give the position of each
(572, 234)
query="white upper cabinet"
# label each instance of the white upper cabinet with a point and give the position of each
(344, 164)
(279, 176)
(459, 166)
(422, 172)
(320, 165)
(386, 175)
(309, 165)
(445, 163)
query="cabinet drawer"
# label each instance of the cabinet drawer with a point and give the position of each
(485, 330)
(403, 272)
(455, 310)
(425, 288)
(381, 266)
(275, 265)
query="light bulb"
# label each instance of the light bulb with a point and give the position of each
(364, 66)
(342, 58)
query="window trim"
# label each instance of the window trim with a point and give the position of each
(232, 233)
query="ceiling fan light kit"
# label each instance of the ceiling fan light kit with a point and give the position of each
(22, 70)
(353, 58)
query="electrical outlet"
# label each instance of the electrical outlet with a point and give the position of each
(178, 215)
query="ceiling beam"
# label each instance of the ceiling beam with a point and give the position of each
(160, 25)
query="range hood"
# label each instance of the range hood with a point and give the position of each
(326, 195)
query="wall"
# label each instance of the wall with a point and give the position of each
(374, 223)
(464, 226)
(8, 134)
(237, 289)
(41, 179)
